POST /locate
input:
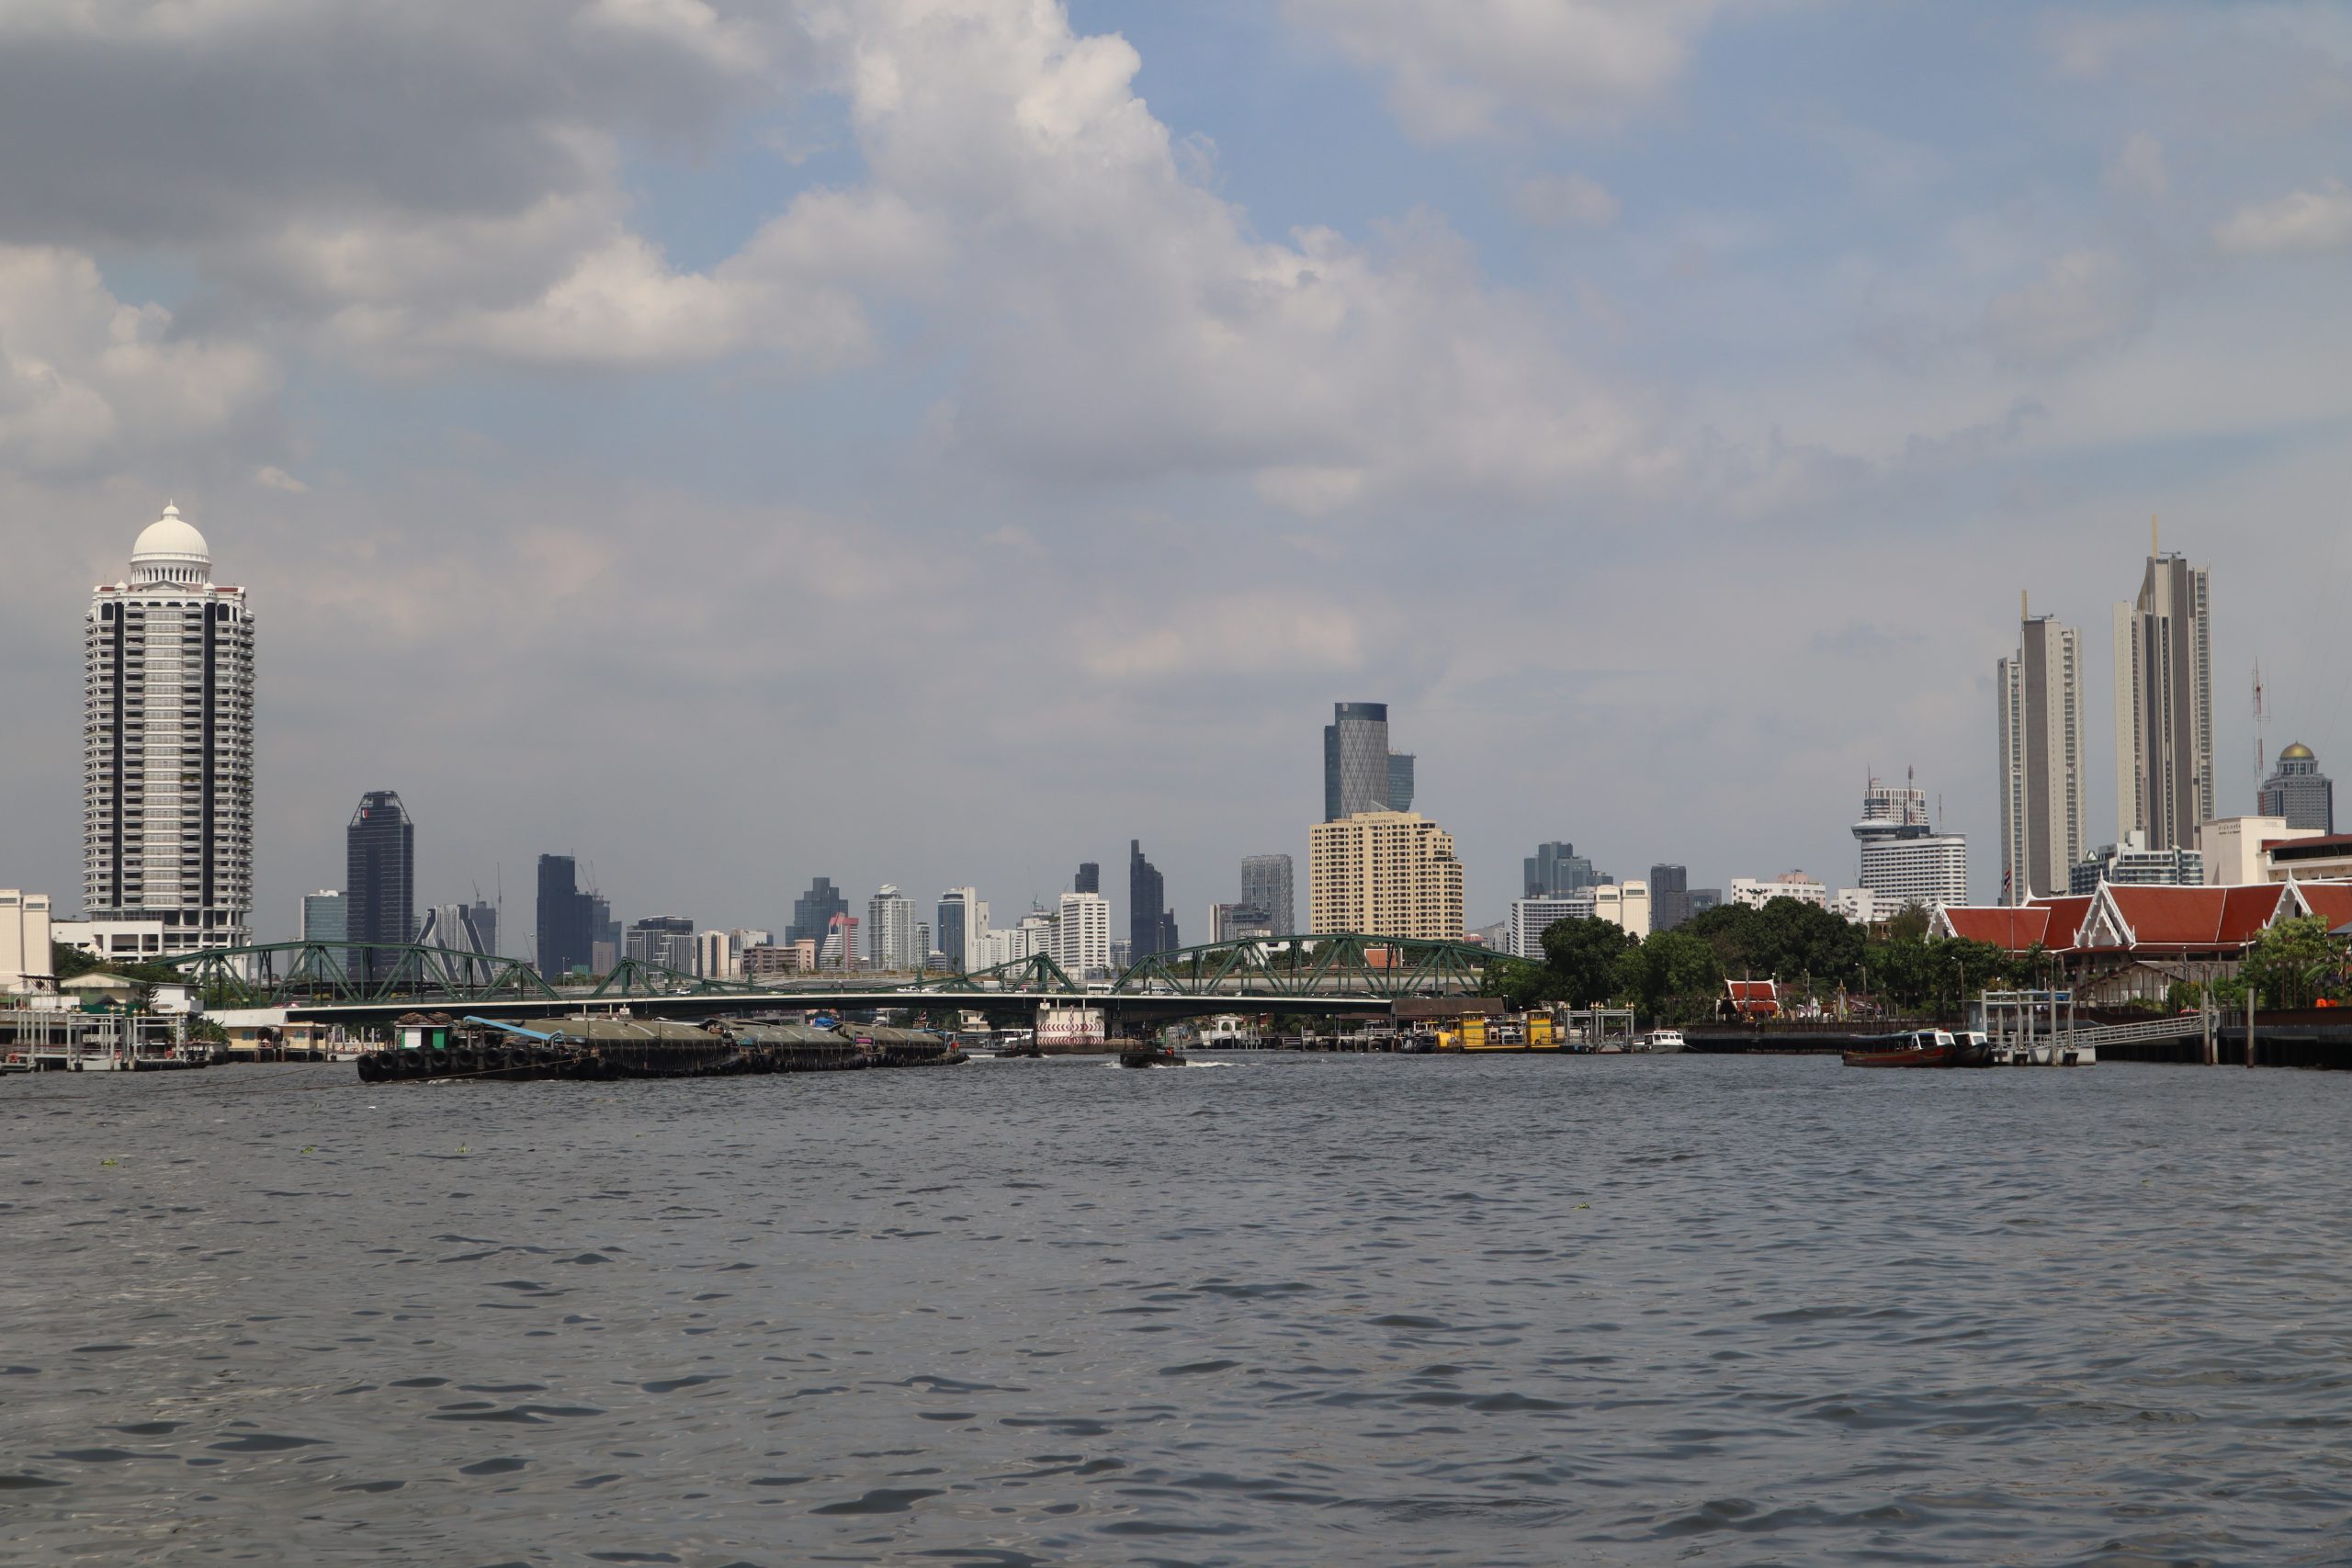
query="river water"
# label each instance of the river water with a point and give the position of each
(1285, 1310)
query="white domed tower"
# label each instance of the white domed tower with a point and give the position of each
(167, 817)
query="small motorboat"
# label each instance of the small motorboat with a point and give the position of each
(1663, 1043)
(1150, 1055)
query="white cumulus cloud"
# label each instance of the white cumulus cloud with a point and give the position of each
(2302, 221)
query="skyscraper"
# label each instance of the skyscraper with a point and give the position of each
(566, 933)
(379, 878)
(2298, 791)
(959, 925)
(2040, 690)
(1151, 924)
(1554, 871)
(1669, 897)
(1267, 884)
(485, 918)
(1089, 878)
(1360, 773)
(167, 753)
(813, 913)
(1082, 935)
(2164, 704)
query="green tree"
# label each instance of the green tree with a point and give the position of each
(1583, 956)
(1676, 975)
(2293, 964)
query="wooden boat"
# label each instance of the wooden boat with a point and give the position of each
(1920, 1048)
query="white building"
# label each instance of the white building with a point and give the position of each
(714, 956)
(1082, 936)
(1756, 893)
(890, 939)
(1858, 905)
(1530, 918)
(167, 768)
(2233, 850)
(24, 958)
(2040, 692)
(1625, 904)
(1928, 870)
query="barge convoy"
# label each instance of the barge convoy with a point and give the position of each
(437, 1046)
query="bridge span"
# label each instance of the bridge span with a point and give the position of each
(365, 983)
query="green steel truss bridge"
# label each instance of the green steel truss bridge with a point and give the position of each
(364, 982)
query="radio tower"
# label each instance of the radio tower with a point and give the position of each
(2261, 719)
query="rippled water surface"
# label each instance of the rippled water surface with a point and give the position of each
(1287, 1311)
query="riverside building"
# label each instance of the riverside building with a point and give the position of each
(2040, 692)
(168, 762)
(1385, 873)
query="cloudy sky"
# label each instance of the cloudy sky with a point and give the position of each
(937, 441)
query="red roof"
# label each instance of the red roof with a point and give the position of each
(1753, 990)
(2053, 923)
(2195, 918)
(2332, 901)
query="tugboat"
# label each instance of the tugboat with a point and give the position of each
(1150, 1054)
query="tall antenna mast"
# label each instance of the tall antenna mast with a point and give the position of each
(2261, 719)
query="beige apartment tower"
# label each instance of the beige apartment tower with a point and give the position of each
(2164, 706)
(1385, 873)
(2040, 690)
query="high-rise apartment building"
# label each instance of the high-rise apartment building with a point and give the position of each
(1385, 873)
(2040, 692)
(2298, 792)
(379, 879)
(1556, 869)
(167, 753)
(813, 913)
(1151, 924)
(890, 942)
(2164, 704)
(1240, 922)
(566, 929)
(1360, 773)
(1082, 936)
(1267, 881)
(664, 939)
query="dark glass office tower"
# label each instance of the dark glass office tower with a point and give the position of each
(813, 913)
(1556, 869)
(565, 935)
(379, 862)
(1669, 897)
(1089, 878)
(1360, 773)
(1151, 925)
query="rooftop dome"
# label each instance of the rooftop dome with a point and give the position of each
(170, 551)
(2298, 752)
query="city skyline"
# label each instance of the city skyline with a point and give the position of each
(1752, 355)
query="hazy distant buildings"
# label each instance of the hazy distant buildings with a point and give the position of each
(963, 919)
(1669, 897)
(1905, 860)
(1385, 873)
(167, 753)
(1088, 878)
(1151, 924)
(1360, 773)
(813, 913)
(451, 927)
(2039, 691)
(325, 917)
(2164, 706)
(1756, 892)
(1266, 883)
(485, 918)
(379, 879)
(1240, 922)
(2298, 792)
(839, 948)
(667, 940)
(603, 934)
(2134, 864)
(1556, 869)
(566, 932)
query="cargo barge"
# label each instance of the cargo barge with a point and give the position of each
(436, 1046)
